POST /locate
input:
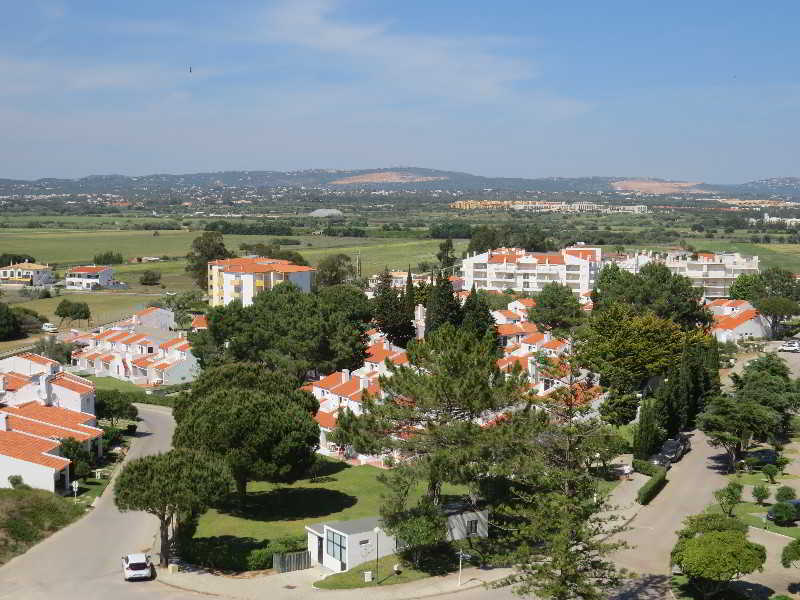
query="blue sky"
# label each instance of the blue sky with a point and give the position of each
(704, 91)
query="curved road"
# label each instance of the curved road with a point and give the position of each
(82, 561)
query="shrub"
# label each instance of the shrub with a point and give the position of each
(761, 493)
(653, 485)
(729, 496)
(17, 483)
(785, 493)
(150, 277)
(781, 462)
(783, 512)
(644, 467)
(771, 472)
(261, 558)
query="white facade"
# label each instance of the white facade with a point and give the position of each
(709, 272)
(513, 268)
(27, 273)
(89, 277)
(243, 278)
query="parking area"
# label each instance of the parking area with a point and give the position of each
(792, 358)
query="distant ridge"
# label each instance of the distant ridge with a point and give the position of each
(407, 178)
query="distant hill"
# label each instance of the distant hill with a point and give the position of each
(405, 178)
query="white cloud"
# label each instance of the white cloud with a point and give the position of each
(462, 68)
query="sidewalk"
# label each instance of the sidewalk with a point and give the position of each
(623, 497)
(298, 584)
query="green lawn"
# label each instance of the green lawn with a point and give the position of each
(354, 578)
(111, 383)
(681, 590)
(749, 513)
(271, 511)
(104, 306)
(758, 477)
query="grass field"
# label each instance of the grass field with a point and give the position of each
(271, 511)
(110, 383)
(105, 306)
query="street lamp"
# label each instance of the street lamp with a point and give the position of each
(377, 532)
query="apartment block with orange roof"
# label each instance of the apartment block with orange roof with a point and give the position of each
(516, 269)
(243, 278)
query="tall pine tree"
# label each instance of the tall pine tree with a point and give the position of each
(442, 307)
(390, 314)
(648, 434)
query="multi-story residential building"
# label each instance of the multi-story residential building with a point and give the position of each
(513, 268)
(89, 277)
(144, 355)
(713, 273)
(40, 405)
(242, 278)
(27, 273)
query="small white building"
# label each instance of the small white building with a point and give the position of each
(342, 545)
(89, 277)
(27, 273)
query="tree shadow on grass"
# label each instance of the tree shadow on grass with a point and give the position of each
(720, 463)
(756, 591)
(326, 468)
(290, 504)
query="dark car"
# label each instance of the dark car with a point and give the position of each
(661, 460)
(676, 447)
(794, 503)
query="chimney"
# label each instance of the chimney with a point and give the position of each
(345, 375)
(4, 422)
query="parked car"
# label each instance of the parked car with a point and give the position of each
(794, 503)
(137, 566)
(49, 328)
(661, 460)
(790, 346)
(676, 447)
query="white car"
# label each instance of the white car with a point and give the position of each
(137, 566)
(49, 328)
(790, 346)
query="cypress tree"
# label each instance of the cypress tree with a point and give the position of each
(687, 389)
(669, 405)
(647, 435)
(390, 314)
(477, 317)
(442, 306)
(712, 366)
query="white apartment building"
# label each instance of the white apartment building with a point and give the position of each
(88, 277)
(513, 268)
(713, 273)
(243, 278)
(27, 273)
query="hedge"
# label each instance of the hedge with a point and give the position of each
(644, 467)
(652, 486)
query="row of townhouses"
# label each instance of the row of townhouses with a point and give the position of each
(577, 267)
(40, 405)
(143, 350)
(242, 278)
(524, 345)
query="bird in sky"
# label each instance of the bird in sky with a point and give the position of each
(190, 69)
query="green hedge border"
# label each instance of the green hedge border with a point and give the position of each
(652, 486)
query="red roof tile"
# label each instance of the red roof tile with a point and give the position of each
(200, 322)
(30, 449)
(88, 269)
(38, 359)
(325, 419)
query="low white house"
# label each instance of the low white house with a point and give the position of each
(737, 320)
(342, 545)
(27, 273)
(89, 277)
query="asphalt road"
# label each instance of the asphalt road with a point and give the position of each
(82, 561)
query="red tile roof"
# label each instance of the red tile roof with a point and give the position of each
(733, 321)
(200, 322)
(47, 430)
(143, 361)
(330, 381)
(55, 415)
(325, 419)
(171, 342)
(73, 383)
(14, 381)
(147, 311)
(38, 359)
(30, 449)
(88, 269)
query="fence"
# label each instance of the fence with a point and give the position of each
(291, 561)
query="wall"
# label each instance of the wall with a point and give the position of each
(457, 524)
(36, 476)
(360, 553)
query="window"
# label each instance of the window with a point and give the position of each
(335, 545)
(363, 542)
(472, 527)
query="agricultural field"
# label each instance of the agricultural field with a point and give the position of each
(104, 306)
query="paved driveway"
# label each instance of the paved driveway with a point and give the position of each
(691, 487)
(82, 561)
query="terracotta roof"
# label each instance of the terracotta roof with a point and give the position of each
(30, 449)
(171, 342)
(326, 419)
(372, 331)
(528, 327)
(507, 362)
(534, 339)
(88, 269)
(733, 321)
(347, 388)
(143, 361)
(164, 366)
(147, 311)
(529, 302)
(47, 430)
(549, 259)
(247, 260)
(554, 344)
(508, 314)
(508, 329)
(134, 339)
(584, 254)
(330, 381)
(14, 381)
(184, 347)
(73, 383)
(55, 415)
(118, 336)
(37, 358)
(200, 322)
(107, 358)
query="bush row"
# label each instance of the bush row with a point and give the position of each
(224, 553)
(644, 467)
(652, 486)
